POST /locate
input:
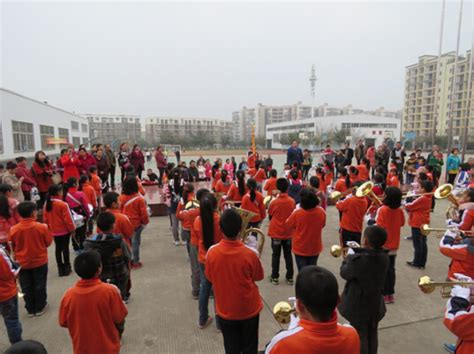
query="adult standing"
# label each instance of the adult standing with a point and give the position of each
(307, 163)
(348, 154)
(87, 161)
(160, 164)
(29, 182)
(10, 178)
(293, 154)
(112, 162)
(70, 163)
(234, 164)
(42, 171)
(102, 169)
(268, 164)
(123, 160)
(359, 151)
(370, 155)
(435, 159)
(398, 157)
(137, 160)
(385, 155)
(452, 165)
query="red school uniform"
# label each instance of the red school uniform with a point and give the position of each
(96, 183)
(307, 228)
(222, 187)
(419, 211)
(8, 287)
(234, 193)
(59, 219)
(462, 260)
(270, 185)
(187, 217)
(392, 181)
(232, 265)
(341, 185)
(256, 206)
(353, 210)
(363, 172)
(392, 220)
(279, 210)
(197, 227)
(134, 207)
(96, 332)
(260, 175)
(459, 319)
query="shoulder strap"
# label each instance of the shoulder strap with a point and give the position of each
(132, 200)
(74, 199)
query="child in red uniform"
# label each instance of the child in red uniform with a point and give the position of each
(122, 225)
(78, 203)
(188, 195)
(279, 210)
(260, 174)
(95, 181)
(30, 240)
(390, 217)
(9, 297)
(364, 168)
(322, 179)
(314, 182)
(353, 210)
(7, 220)
(270, 185)
(419, 214)
(237, 189)
(206, 227)
(343, 182)
(91, 196)
(306, 225)
(317, 330)
(224, 182)
(57, 216)
(101, 329)
(134, 206)
(187, 217)
(253, 201)
(354, 175)
(233, 269)
(392, 178)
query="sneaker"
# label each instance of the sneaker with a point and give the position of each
(43, 310)
(450, 348)
(274, 281)
(392, 299)
(205, 324)
(408, 238)
(29, 315)
(195, 296)
(136, 265)
(126, 300)
(386, 299)
(413, 265)
(290, 281)
(176, 243)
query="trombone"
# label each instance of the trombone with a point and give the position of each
(426, 230)
(245, 232)
(442, 192)
(427, 286)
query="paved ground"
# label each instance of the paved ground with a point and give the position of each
(162, 315)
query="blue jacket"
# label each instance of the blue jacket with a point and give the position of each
(453, 163)
(294, 155)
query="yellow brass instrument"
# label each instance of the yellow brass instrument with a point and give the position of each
(337, 251)
(426, 230)
(416, 195)
(269, 198)
(446, 191)
(367, 190)
(245, 232)
(282, 312)
(427, 286)
(336, 195)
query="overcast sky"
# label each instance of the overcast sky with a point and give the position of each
(209, 59)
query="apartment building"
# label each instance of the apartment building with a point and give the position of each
(422, 79)
(156, 128)
(107, 128)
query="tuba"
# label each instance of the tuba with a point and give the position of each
(446, 191)
(245, 232)
(427, 286)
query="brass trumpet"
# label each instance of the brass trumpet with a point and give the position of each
(427, 286)
(336, 195)
(337, 251)
(426, 230)
(366, 190)
(282, 312)
(246, 216)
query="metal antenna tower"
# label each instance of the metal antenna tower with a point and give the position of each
(312, 80)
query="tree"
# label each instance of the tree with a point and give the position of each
(339, 135)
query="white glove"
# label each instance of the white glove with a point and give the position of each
(294, 321)
(350, 251)
(251, 241)
(352, 244)
(459, 291)
(462, 277)
(450, 233)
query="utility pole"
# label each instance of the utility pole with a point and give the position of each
(312, 80)
(453, 85)
(467, 117)
(435, 103)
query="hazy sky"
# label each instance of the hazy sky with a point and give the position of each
(209, 59)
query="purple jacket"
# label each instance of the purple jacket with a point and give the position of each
(87, 162)
(137, 160)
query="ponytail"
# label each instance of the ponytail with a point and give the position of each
(252, 185)
(207, 207)
(83, 179)
(224, 175)
(346, 176)
(4, 207)
(71, 182)
(241, 182)
(53, 191)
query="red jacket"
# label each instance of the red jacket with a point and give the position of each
(307, 228)
(7, 277)
(197, 228)
(256, 206)
(353, 210)
(86, 162)
(160, 160)
(30, 241)
(234, 194)
(459, 319)
(59, 219)
(279, 210)
(137, 160)
(392, 220)
(134, 206)
(71, 166)
(42, 175)
(419, 211)
(28, 181)
(462, 260)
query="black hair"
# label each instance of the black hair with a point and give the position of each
(230, 223)
(316, 287)
(309, 199)
(39, 162)
(130, 186)
(201, 193)
(27, 347)
(207, 208)
(422, 176)
(20, 159)
(105, 221)
(465, 167)
(393, 197)
(224, 174)
(110, 198)
(71, 182)
(92, 169)
(470, 194)
(11, 165)
(188, 188)
(26, 209)
(87, 264)
(53, 191)
(366, 162)
(320, 170)
(4, 207)
(5, 188)
(282, 185)
(314, 182)
(427, 186)
(241, 182)
(354, 170)
(376, 236)
(83, 179)
(176, 174)
(378, 178)
(252, 185)
(273, 172)
(294, 174)
(344, 174)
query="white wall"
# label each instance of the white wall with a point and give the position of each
(19, 108)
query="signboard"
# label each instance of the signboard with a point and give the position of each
(409, 136)
(53, 141)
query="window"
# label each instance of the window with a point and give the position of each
(74, 125)
(85, 141)
(46, 132)
(76, 141)
(64, 134)
(1, 139)
(84, 128)
(23, 139)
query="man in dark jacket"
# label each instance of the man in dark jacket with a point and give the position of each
(362, 302)
(112, 162)
(114, 252)
(349, 154)
(293, 154)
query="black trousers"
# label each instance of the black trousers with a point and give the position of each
(160, 177)
(33, 285)
(389, 286)
(62, 250)
(112, 176)
(367, 330)
(42, 200)
(27, 195)
(350, 236)
(80, 236)
(277, 246)
(420, 247)
(303, 261)
(240, 337)
(451, 178)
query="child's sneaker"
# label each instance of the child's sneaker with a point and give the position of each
(392, 299)
(176, 243)
(274, 281)
(290, 281)
(42, 311)
(205, 324)
(386, 299)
